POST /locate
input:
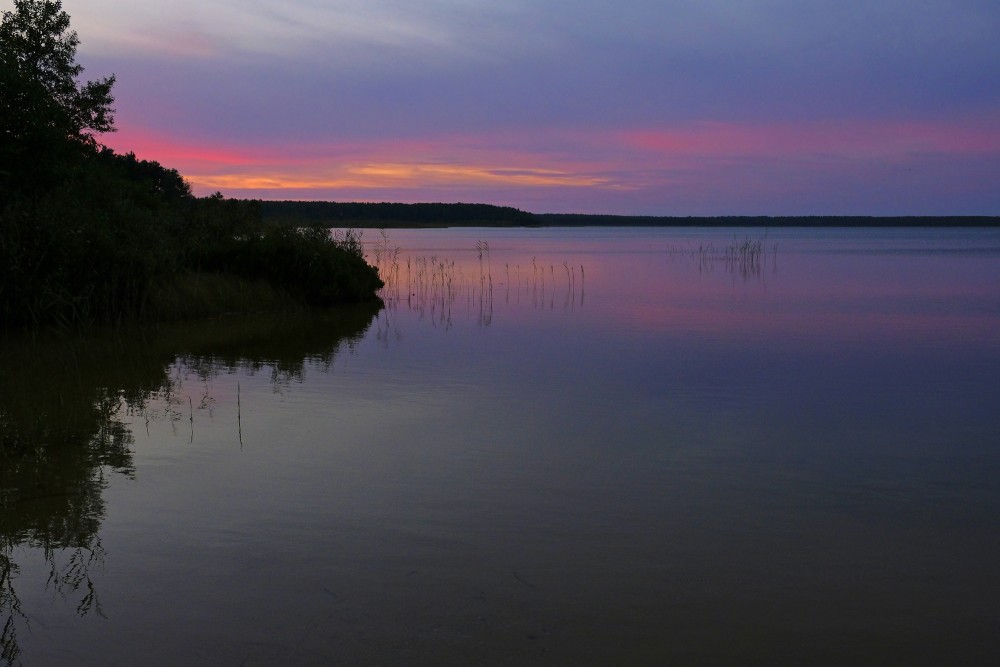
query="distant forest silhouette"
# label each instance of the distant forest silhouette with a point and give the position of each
(88, 235)
(394, 215)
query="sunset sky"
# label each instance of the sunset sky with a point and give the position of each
(664, 107)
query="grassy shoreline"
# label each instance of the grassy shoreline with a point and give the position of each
(110, 244)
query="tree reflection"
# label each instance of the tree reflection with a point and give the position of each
(62, 435)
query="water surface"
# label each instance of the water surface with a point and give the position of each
(582, 446)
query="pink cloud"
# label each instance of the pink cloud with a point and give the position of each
(456, 161)
(181, 154)
(693, 169)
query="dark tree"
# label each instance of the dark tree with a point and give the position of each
(87, 235)
(46, 116)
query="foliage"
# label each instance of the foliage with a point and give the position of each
(387, 215)
(88, 235)
(228, 236)
(98, 246)
(46, 116)
(764, 221)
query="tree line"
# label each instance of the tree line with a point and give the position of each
(582, 220)
(390, 215)
(90, 235)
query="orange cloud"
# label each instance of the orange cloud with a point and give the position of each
(453, 161)
(385, 175)
(463, 173)
(668, 163)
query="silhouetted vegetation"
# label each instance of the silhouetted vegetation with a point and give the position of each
(579, 220)
(88, 235)
(389, 215)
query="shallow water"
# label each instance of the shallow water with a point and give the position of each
(554, 446)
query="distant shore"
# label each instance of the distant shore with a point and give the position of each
(566, 220)
(392, 215)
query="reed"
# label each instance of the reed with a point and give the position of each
(239, 415)
(435, 285)
(747, 257)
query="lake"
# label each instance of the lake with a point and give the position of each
(552, 447)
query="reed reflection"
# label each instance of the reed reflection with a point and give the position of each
(747, 259)
(438, 287)
(63, 433)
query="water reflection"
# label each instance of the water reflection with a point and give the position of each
(62, 433)
(749, 259)
(436, 287)
(684, 467)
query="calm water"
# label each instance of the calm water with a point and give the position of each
(559, 447)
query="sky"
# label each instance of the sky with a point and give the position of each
(639, 107)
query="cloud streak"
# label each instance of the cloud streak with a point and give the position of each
(660, 107)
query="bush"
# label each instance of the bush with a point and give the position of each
(86, 234)
(306, 262)
(94, 248)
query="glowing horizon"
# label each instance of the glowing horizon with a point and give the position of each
(661, 108)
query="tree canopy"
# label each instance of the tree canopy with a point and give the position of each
(88, 235)
(46, 115)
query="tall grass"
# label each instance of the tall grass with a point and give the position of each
(747, 257)
(435, 286)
